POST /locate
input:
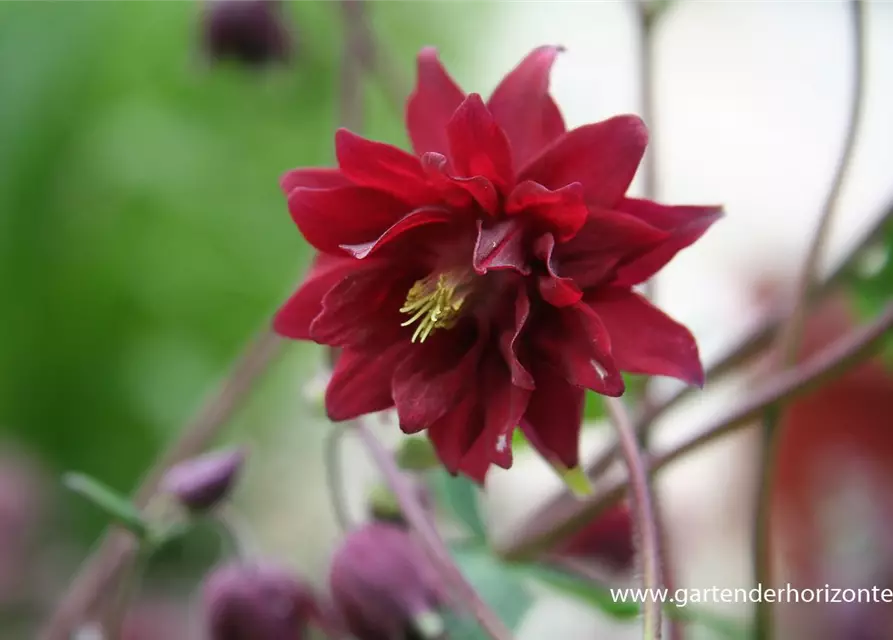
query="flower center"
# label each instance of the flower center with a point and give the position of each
(434, 303)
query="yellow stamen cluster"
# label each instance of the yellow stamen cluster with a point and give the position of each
(435, 305)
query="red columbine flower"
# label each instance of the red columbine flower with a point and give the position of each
(485, 281)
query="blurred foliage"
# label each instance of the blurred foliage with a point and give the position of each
(143, 237)
(870, 280)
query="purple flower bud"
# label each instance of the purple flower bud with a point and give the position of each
(252, 32)
(384, 586)
(256, 602)
(200, 483)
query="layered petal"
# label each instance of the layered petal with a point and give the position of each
(294, 318)
(556, 290)
(314, 178)
(434, 373)
(329, 218)
(603, 157)
(383, 167)
(431, 105)
(510, 338)
(500, 246)
(478, 146)
(576, 343)
(683, 225)
(501, 405)
(425, 216)
(562, 212)
(363, 309)
(553, 417)
(522, 106)
(604, 242)
(460, 192)
(644, 339)
(361, 382)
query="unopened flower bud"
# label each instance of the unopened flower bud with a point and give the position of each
(384, 586)
(252, 32)
(256, 602)
(200, 483)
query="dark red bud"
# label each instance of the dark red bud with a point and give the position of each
(256, 602)
(252, 32)
(200, 483)
(608, 538)
(384, 586)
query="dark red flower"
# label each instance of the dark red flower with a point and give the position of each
(485, 281)
(384, 586)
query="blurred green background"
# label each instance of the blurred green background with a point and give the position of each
(143, 236)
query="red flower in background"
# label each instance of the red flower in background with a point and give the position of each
(485, 282)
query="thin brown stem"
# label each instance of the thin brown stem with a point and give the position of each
(752, 344)
(548, 528)
(641, 502)
(421, 524)
(788, 340)
(645, 21)
(99, 573)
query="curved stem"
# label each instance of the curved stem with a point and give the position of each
(334, 477)
(100, 572)
(789, 337)
(419, 522)
(751, 345)
(547, 529)
(641, 501)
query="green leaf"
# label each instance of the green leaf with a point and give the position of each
(460, 496)
(498, 586)
(114, 504)
(599, 596)
(871, 280)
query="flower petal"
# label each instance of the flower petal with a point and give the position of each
(384, 167)
(563, 211)
(478, 146)
(454, 433)
(500, 246)
(412, 220)
(684, 225)
(603, 157)
(329, 218)
(460, 192)
(503, 405)
(314, 178)
(509, 340)
(363, 309)
(434, 373)
(556, 290)
(361, 382)
(553, 417)
(605, 241)
(294, 318)
(523, 107)
(431, 105)
(644, 339)
(575, 342)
